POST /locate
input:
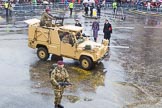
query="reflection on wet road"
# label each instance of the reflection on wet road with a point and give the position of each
(130, 77)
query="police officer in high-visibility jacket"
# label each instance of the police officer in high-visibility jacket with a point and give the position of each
(71, 6)
(114, 5)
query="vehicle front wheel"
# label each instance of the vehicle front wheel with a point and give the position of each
(86, 63)
(42, 53)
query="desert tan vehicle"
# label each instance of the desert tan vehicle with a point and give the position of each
(65, 41)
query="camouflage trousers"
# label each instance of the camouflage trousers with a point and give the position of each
(46, 23)
(58, 95)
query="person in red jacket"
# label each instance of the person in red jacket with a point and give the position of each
(107, 30)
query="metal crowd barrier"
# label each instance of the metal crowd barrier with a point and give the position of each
(133, 6)
(41, 7)
(142, 8)
(35, 9)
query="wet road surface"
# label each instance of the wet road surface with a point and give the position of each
(130, 77)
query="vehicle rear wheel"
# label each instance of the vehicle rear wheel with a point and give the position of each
(86, 63)
(56, 57)
(42, 53)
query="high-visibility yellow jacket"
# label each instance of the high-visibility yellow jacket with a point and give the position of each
(114, 5)
(6, 5)
(71, 5)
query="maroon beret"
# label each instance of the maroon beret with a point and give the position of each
(47, 9)
(60, 62)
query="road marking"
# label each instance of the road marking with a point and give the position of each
(153, 27)
(4, 26)
(118, 46)
(145, 13)
(124, 27)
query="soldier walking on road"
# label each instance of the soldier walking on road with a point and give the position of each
(107, 30)
(59, 74)
(95, 28)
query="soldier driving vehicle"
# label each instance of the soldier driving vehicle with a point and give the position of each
(49, 40)
(66, 37)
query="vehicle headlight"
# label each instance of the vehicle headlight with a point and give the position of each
(88, 47)
(95, 49)
(98, 54)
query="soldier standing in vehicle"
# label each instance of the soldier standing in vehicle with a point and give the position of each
(78, 23)
(46, 18)
(59, 74)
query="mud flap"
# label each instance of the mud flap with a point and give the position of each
(105, 55)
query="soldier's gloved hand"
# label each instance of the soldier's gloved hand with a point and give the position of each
(59, 86)
(69, 86)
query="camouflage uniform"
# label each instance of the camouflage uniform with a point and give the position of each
(46, 20)
(59, 75)
(65, 39)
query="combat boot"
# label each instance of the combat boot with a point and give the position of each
(56, 106)
(60, 106)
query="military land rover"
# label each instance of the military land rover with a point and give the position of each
(65, 41)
